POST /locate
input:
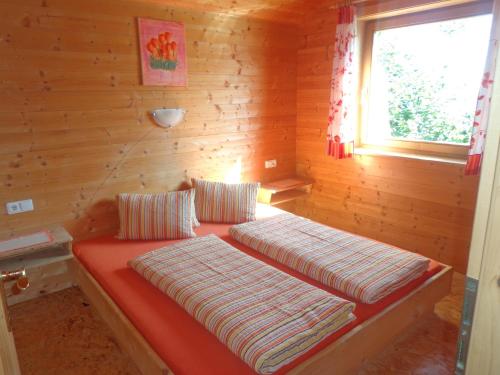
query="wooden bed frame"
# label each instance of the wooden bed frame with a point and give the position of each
(345, 355)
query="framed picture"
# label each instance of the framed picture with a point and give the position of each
(163, 53)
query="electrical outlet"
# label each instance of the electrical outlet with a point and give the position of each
(19, 206)
(270, 163)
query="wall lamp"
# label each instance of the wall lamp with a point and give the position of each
(168, 117)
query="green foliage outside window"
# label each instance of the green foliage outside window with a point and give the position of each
(425, 96)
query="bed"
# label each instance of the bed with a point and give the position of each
(162, 338)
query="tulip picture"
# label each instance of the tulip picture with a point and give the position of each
(162, 52)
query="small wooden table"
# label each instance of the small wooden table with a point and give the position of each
(48, 266)
(281, 191)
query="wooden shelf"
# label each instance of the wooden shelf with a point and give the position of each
(286, 196)
(48, 266)
(281, 191)
(41, 258)
(60, 238)
(286, 184)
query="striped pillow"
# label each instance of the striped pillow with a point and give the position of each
(162, 216)
(196, 223)
(218, 202)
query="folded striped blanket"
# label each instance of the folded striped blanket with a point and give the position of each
(263, 315)
(363, 269)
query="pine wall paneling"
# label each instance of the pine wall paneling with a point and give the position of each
(288, 11)
(74, 129)
(422, 206)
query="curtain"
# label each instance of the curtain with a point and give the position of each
(480, 124)
(340, 134)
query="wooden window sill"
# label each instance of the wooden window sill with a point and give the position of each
(410, 155)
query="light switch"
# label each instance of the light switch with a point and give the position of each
(19, 206)
(270, 163)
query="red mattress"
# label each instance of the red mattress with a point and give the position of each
(185, 345)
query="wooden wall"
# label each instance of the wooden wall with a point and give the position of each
(421, 206)
(74, 129)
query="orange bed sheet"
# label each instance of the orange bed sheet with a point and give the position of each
(184, 344)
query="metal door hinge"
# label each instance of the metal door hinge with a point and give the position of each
(465, 328)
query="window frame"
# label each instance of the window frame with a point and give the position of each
(367, 28)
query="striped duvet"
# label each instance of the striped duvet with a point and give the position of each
(361, 268)
(263, 315)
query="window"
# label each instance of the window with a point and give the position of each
(423, 81)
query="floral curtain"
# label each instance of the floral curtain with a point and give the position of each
(340, 135)
(480, 124)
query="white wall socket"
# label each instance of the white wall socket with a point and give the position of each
(19, 206)
(270, 163)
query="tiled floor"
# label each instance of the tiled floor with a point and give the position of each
(59, 334)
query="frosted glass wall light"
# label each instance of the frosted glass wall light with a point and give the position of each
(168, 117)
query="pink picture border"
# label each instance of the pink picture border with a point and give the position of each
(166, 68)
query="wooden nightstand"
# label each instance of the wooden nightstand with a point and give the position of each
(281, 191)
(48, 266)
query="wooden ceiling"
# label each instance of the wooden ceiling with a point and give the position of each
(288, 11)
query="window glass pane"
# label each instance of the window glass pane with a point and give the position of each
(425, 79)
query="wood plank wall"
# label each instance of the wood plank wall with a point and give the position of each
(74, 129)
(423, 206)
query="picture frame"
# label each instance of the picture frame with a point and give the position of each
(162, 52)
